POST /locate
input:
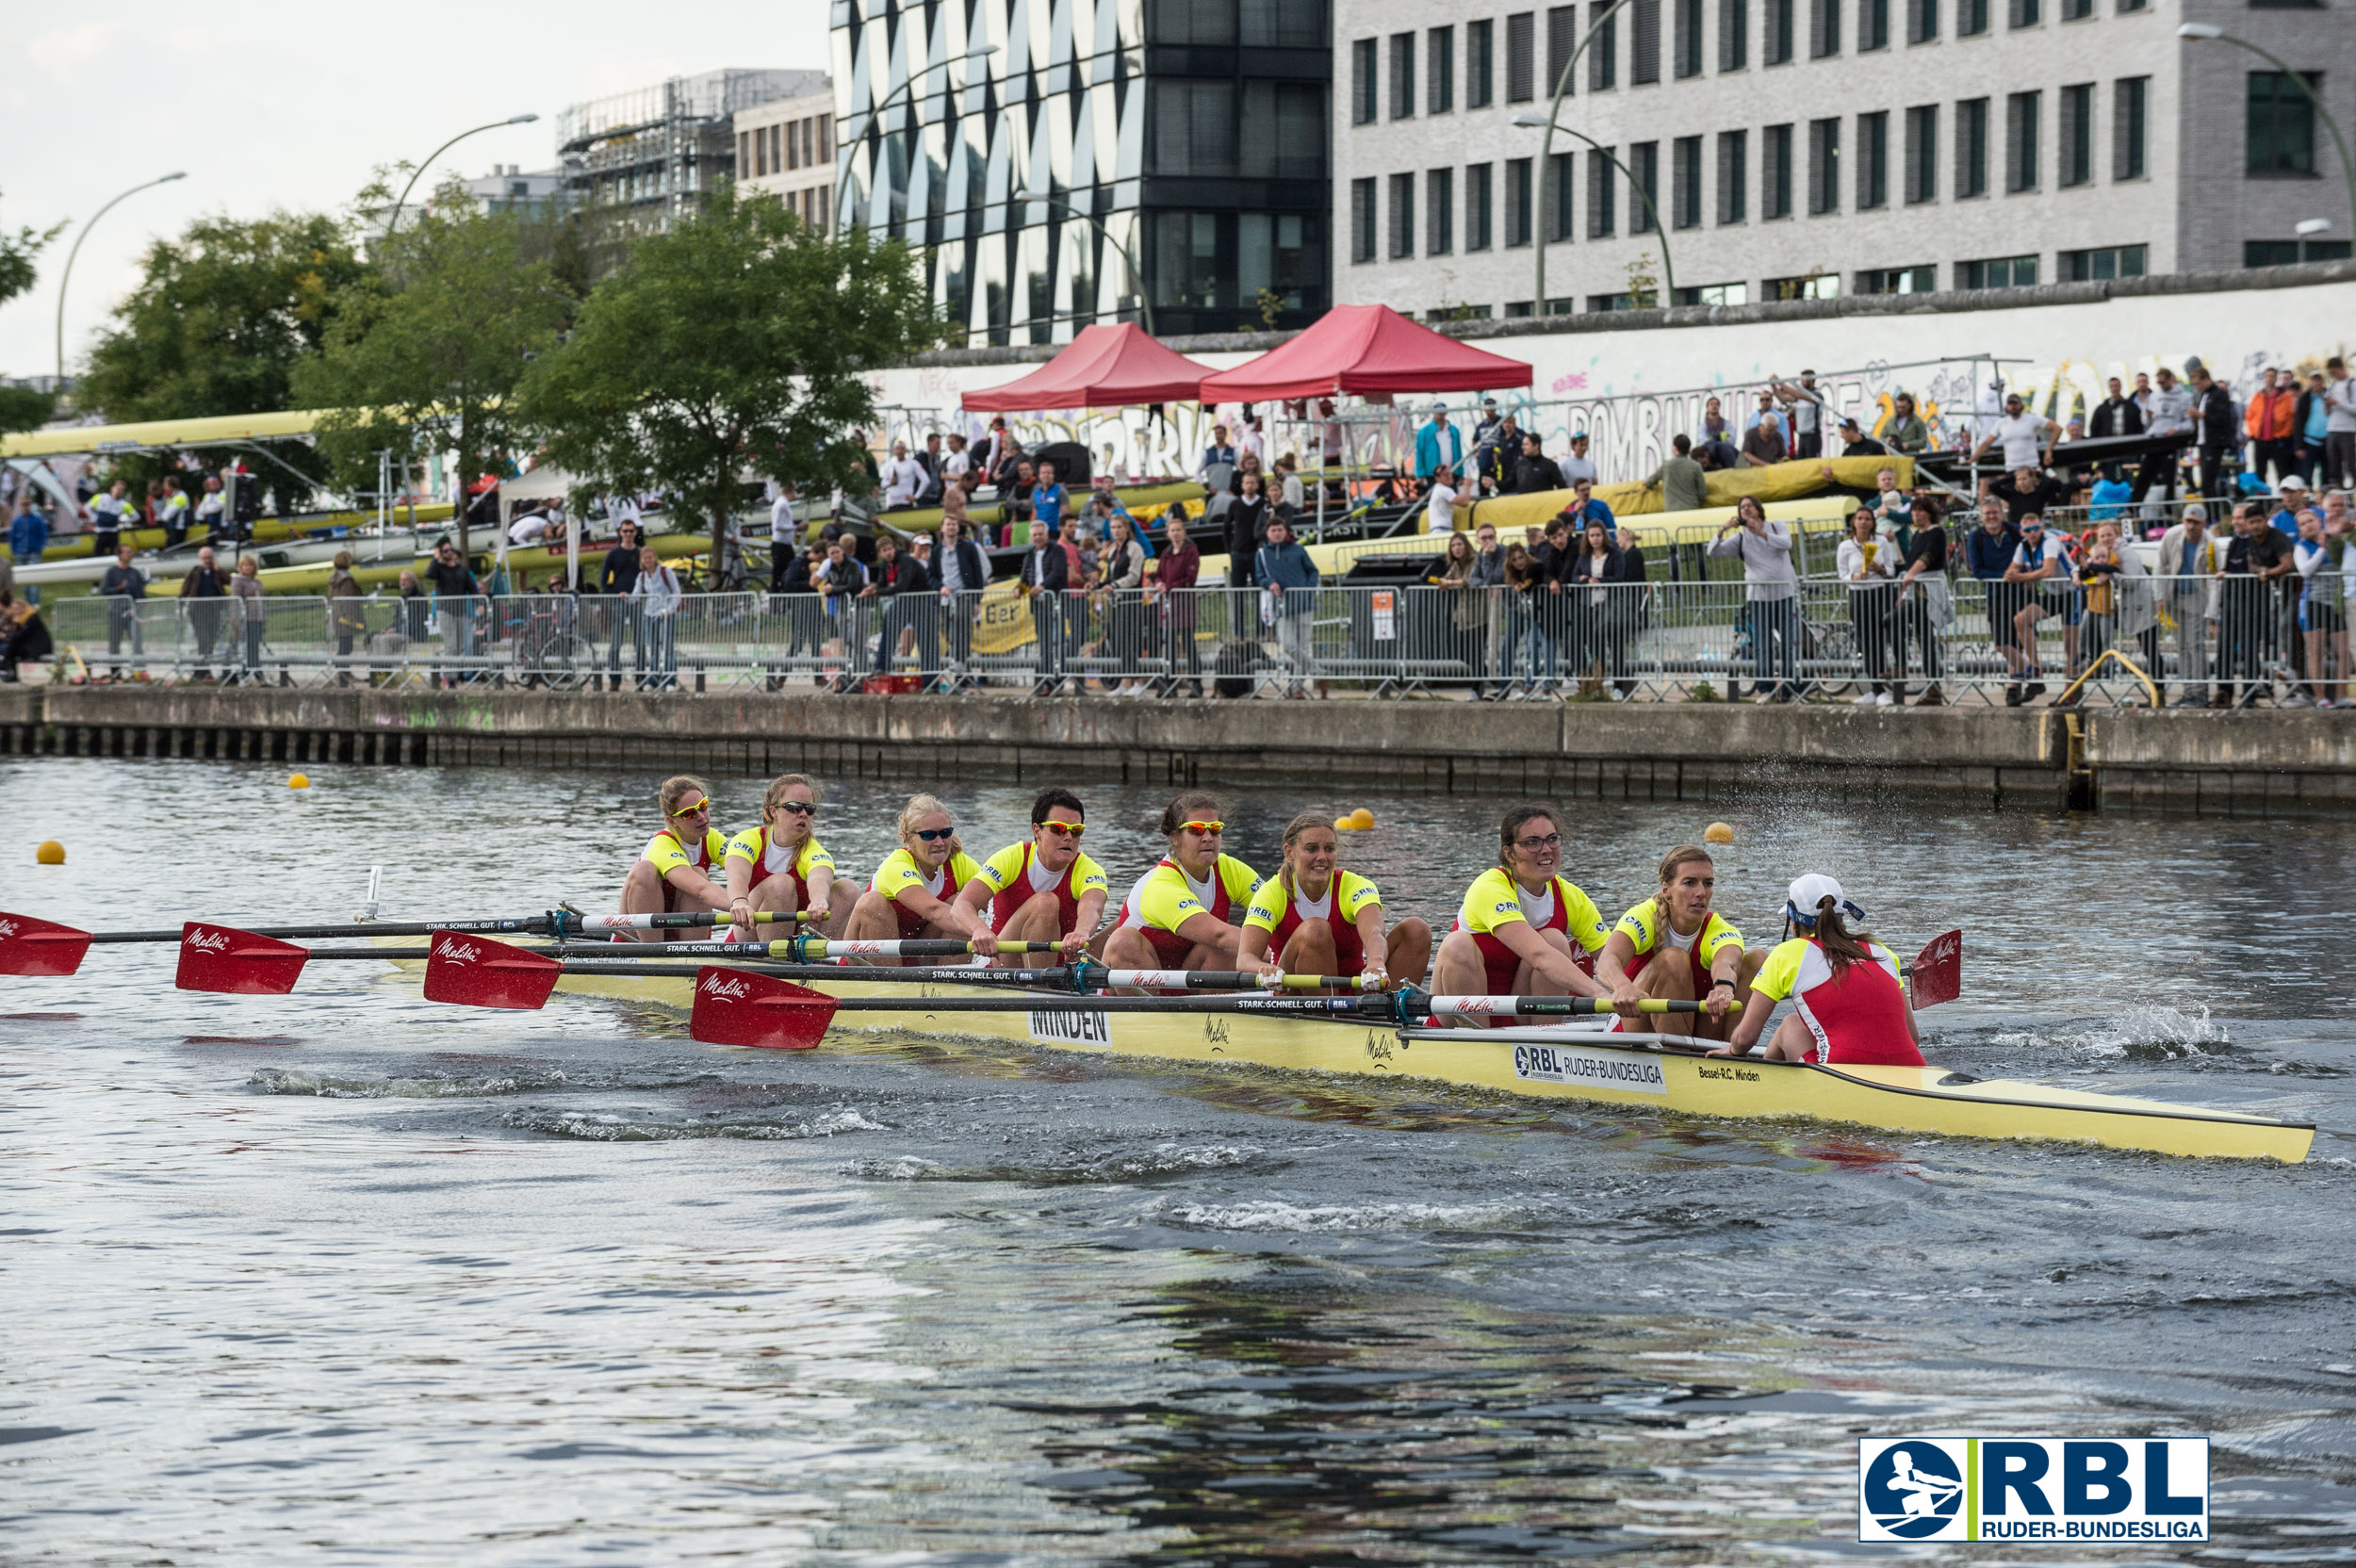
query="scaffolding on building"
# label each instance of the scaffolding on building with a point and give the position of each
(645, 158)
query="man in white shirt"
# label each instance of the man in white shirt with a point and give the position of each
(1806, 414)
(1441, 502)
(2042, 560)
(903, 476)
(784, 536)
(956, 462)
(2020, 432)
(1577, 466)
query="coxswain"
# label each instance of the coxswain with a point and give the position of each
(1042, 889)
(1850, 1004)
(913, 893)
(1674, 945)
(682, 865)
(780, 867)
(1314, 918)
(1177, 916)
(1523, 930)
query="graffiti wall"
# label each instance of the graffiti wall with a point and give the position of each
(1632, 391)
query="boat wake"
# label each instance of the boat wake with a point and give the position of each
(606, 1127)
(1167, 1160)
(2137, 1031)
(439, 1086)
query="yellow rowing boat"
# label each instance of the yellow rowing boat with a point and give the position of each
(1561, 1062)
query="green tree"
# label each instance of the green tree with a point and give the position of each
(737, 341)
(432, 356)
(21, 407)
(221, 319)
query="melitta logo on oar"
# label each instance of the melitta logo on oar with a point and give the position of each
(34, 946)
(479, 971)
(736, 1007)
(237, 963)
(457, 951)
(722, 986)
(204, 941)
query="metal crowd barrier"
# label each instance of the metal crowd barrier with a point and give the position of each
(2176, 638)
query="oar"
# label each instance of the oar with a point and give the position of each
(33, 946)
(1937, 971)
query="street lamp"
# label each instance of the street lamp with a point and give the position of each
(1529, 121)
(2203, 32)
(971, 56)
(1145, 296)
(495, 126)
(1546, 151)
(65, 276)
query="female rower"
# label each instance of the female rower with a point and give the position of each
(780, 866)
(1042, 889)
(1850, 1006)
(910, 896)
(1674, 945)
(676, 873)
(1523, 930)
(1176, 916)
(1314, 918)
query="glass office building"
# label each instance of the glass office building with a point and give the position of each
(1183, 140)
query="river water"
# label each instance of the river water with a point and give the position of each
(344, 1276)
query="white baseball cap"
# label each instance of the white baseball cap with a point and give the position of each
(1809, 891)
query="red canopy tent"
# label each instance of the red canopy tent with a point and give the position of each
(1101, 367)
(1365, 349)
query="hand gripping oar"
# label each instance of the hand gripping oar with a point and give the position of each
(33, 946)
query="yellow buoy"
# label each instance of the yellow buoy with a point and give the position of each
(299, 781)
(1343, 825)
(1718, 833)
(1362, 819)
(51, 853)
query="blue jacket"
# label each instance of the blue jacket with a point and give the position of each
(1289, 566)
(28, 533)
(1431, 452)
(1988, 555)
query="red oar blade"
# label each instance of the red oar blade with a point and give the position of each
(223, 958)
(1938, 970)
(736, 1007)
(476, 972)
(29, 946)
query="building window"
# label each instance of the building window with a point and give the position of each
(1734, 158)
(1972, 148)
(1361, 221)
(1402, 217)
(1922, 21)
(1193, 130)
(2126, 6)
(1603, 55)
(1824, 28)
(1685, 183)
(1685, 50)
(1644, 200)
(1602, 196)
(2026, 13)
(1516, 201)
(1521, 42)
(2113, 261)
(2077, 135)
(1898, 280)
(1402, 75)
(1557, 196)
(1921, 155)
(1479, 39)
(1362, 88)
(1872, 160)
(2001, 272)
(1439, 211)
(1779, 31)
(1872, 25)
(2282, 125)
(1815, 286)
(2286, 252)
(1824, 166)
(1439, 64)
(1476, 198)
(2076, 10)
(1970, 17)
(1715, 294)
(1775, 172)
(1643, 44)
(2130, 103)
(1562, 43)
(2020, 134)
(1734, 35)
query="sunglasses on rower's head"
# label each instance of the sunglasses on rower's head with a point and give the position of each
(1068, 829)
(934, 835)
(1208, 829)
(799, 808)
(1550, 842)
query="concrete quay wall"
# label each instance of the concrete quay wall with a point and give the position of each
(2240, 762)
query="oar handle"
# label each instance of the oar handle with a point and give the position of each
(1222, 980)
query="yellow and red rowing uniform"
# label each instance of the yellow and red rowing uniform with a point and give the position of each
(669, 854)
(1859, 1018)
(771, 858)
(1014, 877)
(1279, 913)
(899, 873)
(1495, 899)
(1647, 929)
(1166, 898)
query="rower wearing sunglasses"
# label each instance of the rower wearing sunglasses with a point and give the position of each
(781, 867)
(1178, 915)
(912, 890)
(676, 872)
(1523, 929)
(1042, 889)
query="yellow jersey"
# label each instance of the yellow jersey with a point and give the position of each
(899, 873)
(1645, 928)
(1166, 898)
(1348, 894)
(668, 854)
(1496, 899)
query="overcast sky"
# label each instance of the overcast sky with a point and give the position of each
(292, 105)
